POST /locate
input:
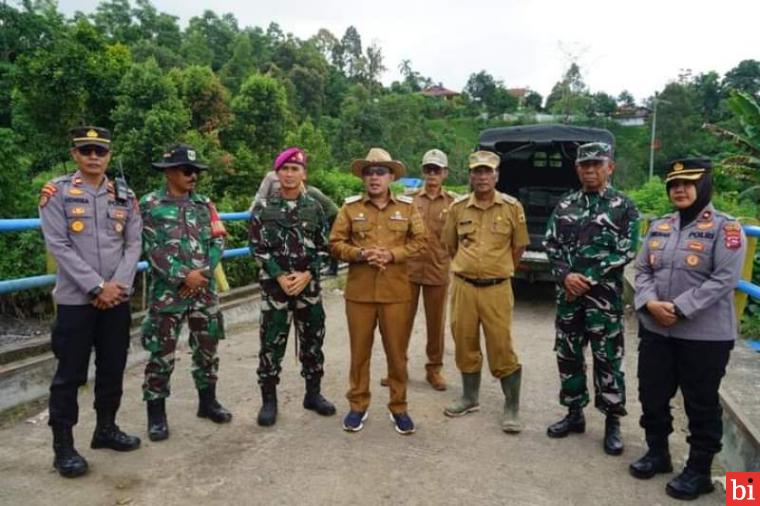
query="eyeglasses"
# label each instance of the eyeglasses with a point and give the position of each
(189, 171)
(375, 171)
(482, 170)
(87, 150)
(432, 169)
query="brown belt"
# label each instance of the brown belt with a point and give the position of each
(482, 282)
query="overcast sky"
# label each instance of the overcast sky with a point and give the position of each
(636, 45)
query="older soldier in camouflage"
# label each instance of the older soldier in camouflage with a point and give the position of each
(288, 236)
(590, 237)
(183, 240)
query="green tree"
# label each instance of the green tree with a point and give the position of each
(148, 117)
(625, 99)
(216, 33)
(261, 115)
(744, 77)
(569, 96)
(204, 95)
(533, 101)
(240, 65)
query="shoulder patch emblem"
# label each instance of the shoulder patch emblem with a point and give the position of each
(733, 235)
(352, 199)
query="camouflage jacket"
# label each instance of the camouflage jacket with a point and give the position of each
(180, 235)
(594, 234)
(288, 236)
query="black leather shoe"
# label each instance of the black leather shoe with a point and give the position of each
(613, 440)
(209, 407)
(650, 464)
(268, 412)
(67, 461)
(158, 427)
(689, 485)
(573, 422)
(111, 436)
(314, 401)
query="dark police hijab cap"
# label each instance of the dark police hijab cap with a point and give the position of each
(697, 171)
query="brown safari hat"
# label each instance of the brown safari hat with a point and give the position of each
(378, 157)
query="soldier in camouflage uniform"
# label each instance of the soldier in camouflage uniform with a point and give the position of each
(288, 236)
(590, 237)
(183, 240)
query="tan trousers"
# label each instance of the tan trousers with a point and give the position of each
(490, 307)
(434, 300)
(393, 320)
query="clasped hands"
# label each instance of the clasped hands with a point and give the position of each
(113, 294)
(194, 283)
(576, 285)
(663, 311)
(378, 257)
(293, 283)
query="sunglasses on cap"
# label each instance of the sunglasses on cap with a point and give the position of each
(89, 149)
(432, 169)
(375, 171)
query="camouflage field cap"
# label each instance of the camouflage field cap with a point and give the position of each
(90, 135)
(436, 157)
(594, 151)
(484, 159)
(689, 169)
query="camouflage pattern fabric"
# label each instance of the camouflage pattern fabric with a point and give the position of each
(594, 234)
(289, 236)
(180, 235)
(160, 332)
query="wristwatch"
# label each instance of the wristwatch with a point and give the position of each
(360, 256)
(97, 290)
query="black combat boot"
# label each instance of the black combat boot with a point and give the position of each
(573, 422)
(695, 479)
(108, 435)
(613, 440)
(314, 401)
(268, 412)
(158, 427)
(209, 407)
(67, 461)
(655, 461)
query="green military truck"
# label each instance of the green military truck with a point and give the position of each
(538, 167)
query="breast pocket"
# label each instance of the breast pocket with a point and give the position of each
(656, 248)
(360, 230)
(79, 220)
(398, 226)
(502, 232)
(466, 233)
(698, 261)
(117, 219)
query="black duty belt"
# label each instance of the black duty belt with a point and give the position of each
(482, 282)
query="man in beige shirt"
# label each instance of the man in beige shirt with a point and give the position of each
(486, 234)
(429, 270)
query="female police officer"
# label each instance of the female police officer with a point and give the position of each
(686, 272)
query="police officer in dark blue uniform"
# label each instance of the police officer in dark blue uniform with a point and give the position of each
(686, 273)
(92, 228)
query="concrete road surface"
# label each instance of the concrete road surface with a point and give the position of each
(308, 459)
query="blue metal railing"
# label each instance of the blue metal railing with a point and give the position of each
(19, 225)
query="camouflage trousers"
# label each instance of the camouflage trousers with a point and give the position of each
(595, 318)
(160, 332)
(277, 312)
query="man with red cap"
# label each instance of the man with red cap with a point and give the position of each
(288, 236)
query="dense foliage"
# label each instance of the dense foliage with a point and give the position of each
(240, 94)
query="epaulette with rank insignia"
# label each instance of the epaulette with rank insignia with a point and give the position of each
(47, 192)
(405, 199)
(352, 199)
(508, 198)
(461, 198)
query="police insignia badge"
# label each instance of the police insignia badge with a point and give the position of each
(705, 225)
(733, 235)
(696, 245)
(118, 227)
(654, 244)
(77, 226)
(692, 260)
(75, 191)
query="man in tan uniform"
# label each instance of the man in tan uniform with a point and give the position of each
(429, 270)
(376, 232)
(486, 234)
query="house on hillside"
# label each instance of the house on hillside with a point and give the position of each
(632, 116)
(519, 94)
(439, 91)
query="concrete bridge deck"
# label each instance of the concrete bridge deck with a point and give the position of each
(307, 459)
